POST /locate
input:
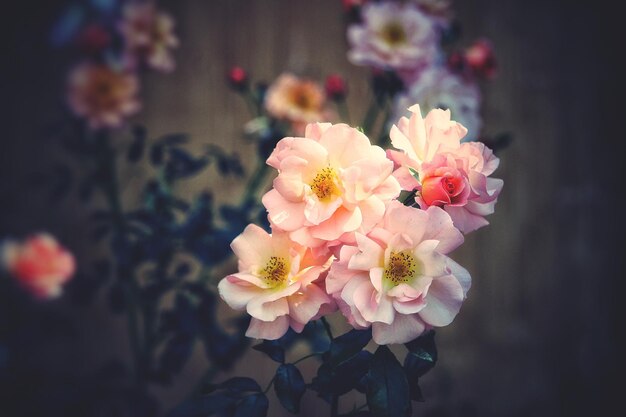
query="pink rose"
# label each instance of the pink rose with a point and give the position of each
(279, 283)
(397, 279)
(40, 264)
(330, 184)
(444, 171)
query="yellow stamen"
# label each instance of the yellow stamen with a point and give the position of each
(394, 34)
(275, 271)
(401, 268)
(325, 185)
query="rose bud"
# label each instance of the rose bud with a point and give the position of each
(336, 87)
(481, 59)
(40, 265)
(93, 39)
(238, 78)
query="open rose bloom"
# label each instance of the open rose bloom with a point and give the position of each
(443, 171)
(397, 278)
(39, 264)
(330, 184)
(104, 96)
(394, 36)
(277, 283)
(149, 36)
(299, 101)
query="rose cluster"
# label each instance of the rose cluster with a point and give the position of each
(365, 231)
(103, 87)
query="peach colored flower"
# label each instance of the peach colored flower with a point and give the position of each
(149, 36)
(393, 36)
(444, 171)
(397, 279)
(278, 283)
(438, 87)
(297, 100)
(40, 264)
(102, 95)
(330, 183)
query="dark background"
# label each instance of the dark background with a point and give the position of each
(540, 332)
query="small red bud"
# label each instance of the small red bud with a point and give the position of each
(481, 59)
(336, 87)
(456, 62)
(238, 78)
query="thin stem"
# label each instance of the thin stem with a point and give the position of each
(269, 385)
(370, 116)
(334, 406)
(254, 182)
(342, 108)
(327, 328)
(382, 136)
(112, 194)
(308, 356)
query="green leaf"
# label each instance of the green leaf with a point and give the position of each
(347, 345)
(289, 386)
(387, 387)
(421, 358)
(252, 406)
(414, 173)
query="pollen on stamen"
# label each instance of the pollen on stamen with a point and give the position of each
(324, 184)
(275, 271)
(401, 268)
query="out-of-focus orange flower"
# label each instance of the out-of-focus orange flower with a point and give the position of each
(102, 95)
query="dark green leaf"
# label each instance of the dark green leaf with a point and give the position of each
(289, 386)
(135, 151)
(347, 345)
(240, 384)
(387, 387)
(252, 406)
(422, 355)
(421, 358)
(273, 349)
(343, 378)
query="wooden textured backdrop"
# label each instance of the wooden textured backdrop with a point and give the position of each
(538, 334)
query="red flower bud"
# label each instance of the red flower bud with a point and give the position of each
(336, 87)
(238, 78)
(481, 59)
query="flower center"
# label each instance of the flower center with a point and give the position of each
(275, 271)
(401, 268)
(394, 34)
(324, 184)
(301, 99)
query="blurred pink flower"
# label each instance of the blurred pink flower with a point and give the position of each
(441, 10)
(398, 278)
(393, 36)
(297, 100)
(446, 172)
(149, 36)
(438, 87)
(39, 264)
(102, 95)
(279, 283)
(330, 184)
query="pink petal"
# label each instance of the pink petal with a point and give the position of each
(282, 213)
(251, 246)
(403, 329)
(268, 330)
(443, 301)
